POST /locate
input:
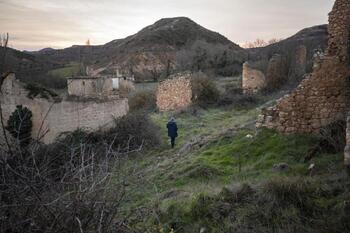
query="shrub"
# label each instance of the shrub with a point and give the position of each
(144, 100)
(333, 137)
(45, 80)
(234, 96)
(131, 132)
(37, 90)
(205, 91)
(20, 125)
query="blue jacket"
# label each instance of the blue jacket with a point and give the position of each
(172, 129)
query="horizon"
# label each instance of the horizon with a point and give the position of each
(48, 24)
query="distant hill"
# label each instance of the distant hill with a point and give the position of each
(313, 38)
(169, 45)
(156, 50)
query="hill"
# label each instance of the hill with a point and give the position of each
(156, 50)
(169, 45)
(313, 39)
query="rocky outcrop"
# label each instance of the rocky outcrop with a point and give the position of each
(322, 97)
(253, 80)
(175, 93)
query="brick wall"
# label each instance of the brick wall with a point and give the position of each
(323, 96)
(51, 119)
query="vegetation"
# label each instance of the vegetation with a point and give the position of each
(69, 70)
(37, 90)
(143, 100)
(20, 125)
(204, 91)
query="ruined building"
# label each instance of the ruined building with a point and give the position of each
(253, 79)
(175, 93)
(52, 116)
(323, 96)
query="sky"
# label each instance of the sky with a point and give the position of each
(37, 24)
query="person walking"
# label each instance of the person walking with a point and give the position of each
(172, 131)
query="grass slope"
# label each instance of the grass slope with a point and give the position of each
(225, 182)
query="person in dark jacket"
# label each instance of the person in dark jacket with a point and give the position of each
(172, 131)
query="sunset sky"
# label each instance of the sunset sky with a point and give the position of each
(36, 24)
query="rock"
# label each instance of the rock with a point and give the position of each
(185, 148)
(281, 167)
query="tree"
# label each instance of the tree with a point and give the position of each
(20, 125)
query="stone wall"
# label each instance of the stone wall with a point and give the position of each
(51, 118)
(300, 61)
(175, 93)
(253, 80)
(90, 86)
(323, 96)
(276, 73)
(347, 148)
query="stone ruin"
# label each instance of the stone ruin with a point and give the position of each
(95, 85)
(175, 93)
(52, 116)
(253, 80)
(323, 96)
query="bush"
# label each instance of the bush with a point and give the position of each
(131, 132)
(20, 125)
(38, 90)
(204, 90)
(45, 80)
(144, 100)
(333, 137)
(234, 96)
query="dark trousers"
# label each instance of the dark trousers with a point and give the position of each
(172, 140)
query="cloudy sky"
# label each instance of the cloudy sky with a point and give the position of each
(36, 24)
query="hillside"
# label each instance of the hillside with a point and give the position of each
(154, 50)
(314, 39)
(169, 45)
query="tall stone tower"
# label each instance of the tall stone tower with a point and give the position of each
(339, 29)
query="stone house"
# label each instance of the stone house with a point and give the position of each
(99, 86)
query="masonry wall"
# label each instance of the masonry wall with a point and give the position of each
(90, 87)
(253, 80)
(300, 60)
(50, 119)
(174, 93)
(323, 97)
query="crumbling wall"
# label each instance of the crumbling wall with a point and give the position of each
(322, 97)
(51, 118)
(253, 80)
(300, 61)
(347, 148)
(89, 87)
(175, 93)
(276, 71)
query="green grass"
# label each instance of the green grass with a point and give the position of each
(68, 71)
(185, 191)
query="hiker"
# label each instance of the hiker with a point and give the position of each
(172, 131)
